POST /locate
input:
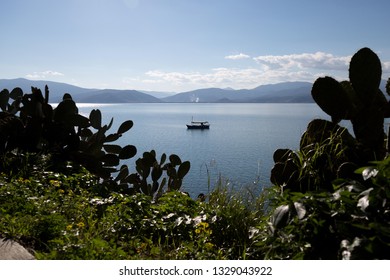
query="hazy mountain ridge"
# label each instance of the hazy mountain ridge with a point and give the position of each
(79, 94)
(116, 96)
(287, 92)
(282, 92)
(56, 89)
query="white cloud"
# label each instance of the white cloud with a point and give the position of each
(44, 74)
(318, 60)
(386, 66)
(267, 70)
(218, 77)
(222, 77)
(237, 56)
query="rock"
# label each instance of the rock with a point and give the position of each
(11, 250)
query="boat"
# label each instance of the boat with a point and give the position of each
(198, 125)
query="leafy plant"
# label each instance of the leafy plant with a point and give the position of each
(359, 100)
(328, 207)
(149, 166)
(328, 150)
(30, 125)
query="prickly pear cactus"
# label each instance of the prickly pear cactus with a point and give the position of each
(330, 95)
(328, 150)
(358, 100)
(365, 72)
(148, 166)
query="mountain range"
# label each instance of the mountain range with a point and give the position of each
(288, 92)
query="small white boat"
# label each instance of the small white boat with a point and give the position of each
(198, 125)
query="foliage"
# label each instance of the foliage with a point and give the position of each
(62, 216)
(30, 125)
(325, 206)
(359, 100)
(148, 165)
(327, 152)
(330, 199)
(351, 223)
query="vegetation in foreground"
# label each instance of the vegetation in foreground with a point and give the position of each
(64, 194)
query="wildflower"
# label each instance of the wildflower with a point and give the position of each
(69, 227)
(80, 225)
(170, 215)
(198, 219)
(203, 227)
(209, 245)
(55, 183)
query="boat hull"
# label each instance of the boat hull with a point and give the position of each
(191, 126)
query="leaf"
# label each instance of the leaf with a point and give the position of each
(280, 216)
(78, 120)
(86, 132)
(105, 172)
(110, 124)
(364, 200)
(183, 169)
(4, 97)
(160, 189)
(301, 210)
(163, 159)
(112, 149)
(16, 93)
(127, 152)
(175, 159)
(156, 173)
(125, 126)
(363, 203)
(95, 118)
(369, 172)
(133, 179)
(110, 160)
(123, 173)
(149, 158)
(112, 137)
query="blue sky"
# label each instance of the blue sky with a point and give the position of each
(180, 45)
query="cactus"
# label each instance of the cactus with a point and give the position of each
(388, 86)
(359, 100)
(365, 72)
(328, 150)
(62, 132)
(330, 95)
(68, 136)
(324, 147)
(148, 166)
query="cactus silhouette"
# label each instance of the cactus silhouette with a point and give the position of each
(358, 100)
(29, 124)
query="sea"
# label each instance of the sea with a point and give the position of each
(237, 149)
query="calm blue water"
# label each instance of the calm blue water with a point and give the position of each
(238, 146)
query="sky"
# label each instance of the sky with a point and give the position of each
(182, 45)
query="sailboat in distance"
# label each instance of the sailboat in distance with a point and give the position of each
(198, 124)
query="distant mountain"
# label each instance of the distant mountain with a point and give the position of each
(289, 92)
(202, 95)
(158, 94)
(299, 92)
(82, 95)
(56, 89)
(116, 96)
